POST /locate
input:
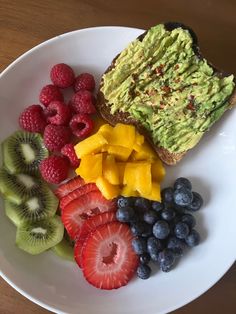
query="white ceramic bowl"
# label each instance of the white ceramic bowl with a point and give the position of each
(59, 285)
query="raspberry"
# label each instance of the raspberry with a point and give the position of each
(62, 75)
(84, 81)
(56, 136)
(54, 169)
(83, 102)
(58, 113)
(81, 125)
(32, 119)
(49, 93)
(68, 151)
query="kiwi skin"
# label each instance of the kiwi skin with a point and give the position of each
(37, 237)
(23, 151)
(29, 210)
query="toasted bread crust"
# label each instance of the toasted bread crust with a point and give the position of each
(166, 156)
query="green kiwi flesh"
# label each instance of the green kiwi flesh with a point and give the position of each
(39, 236)
(23, 151)
(65, 250)
(34, 208)
(18, 187)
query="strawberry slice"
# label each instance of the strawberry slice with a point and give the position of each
(69, 186)
(83, 207)
(109, 261)
(90, 225)
(84, 189)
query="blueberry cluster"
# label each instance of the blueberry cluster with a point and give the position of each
(162, 231)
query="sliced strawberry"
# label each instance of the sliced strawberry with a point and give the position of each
(109, 261)
(81, 208)
(69, 186)
(65, 200)
(88, 226)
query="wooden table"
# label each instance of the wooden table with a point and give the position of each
(25, 23)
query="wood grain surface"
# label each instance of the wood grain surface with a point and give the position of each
(24, 24)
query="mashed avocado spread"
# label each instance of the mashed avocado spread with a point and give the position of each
(163, 84)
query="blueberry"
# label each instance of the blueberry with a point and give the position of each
(154, 257)
(144, 258)
(167, 195)
(143, 271)
(138, 227)
(157, 206)
(123, 201)
(166, 258)
(161, 229)
(196, 203)
(154, 245)
(181, 230)
(176, 245)
(183, 197)
(147, 232)
(139, 245)
(182, 182)
(189, 220)
(150, 217)
(180, 210)
(142, 203)
(193, 238)
(168, 214)
(125, 214)
(165, 268)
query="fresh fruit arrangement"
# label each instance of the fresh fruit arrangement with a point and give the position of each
(111, 218)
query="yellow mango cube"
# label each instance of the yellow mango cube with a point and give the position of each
(137, 176)
(158, 171)
(145, 153)
(121, 170)
(92, 144)
(139, 138)
(123, 135)
(90, 167)
(127, 191)
(155, 194)
(106, 131)
(107, 189)
(110, 170)
(98, 121)
(120, 153)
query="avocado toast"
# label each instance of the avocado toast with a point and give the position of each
(162, 84)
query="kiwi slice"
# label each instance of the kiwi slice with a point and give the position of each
(39, 236)
(23, 151)
(34, 208)
(18, 187)
(65, 250)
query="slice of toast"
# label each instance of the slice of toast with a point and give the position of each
(166, 125)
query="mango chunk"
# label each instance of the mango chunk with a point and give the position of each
(107, 189)
(145, 153)
(90, 167)
(127, 191)
(139, 138)
(110, 170)
(138, 177)
(123, 135)
(158, 170)
(106, 131)
(120, 153)
(121, 170)
(98, 121)
(155, 194)
(91, 144)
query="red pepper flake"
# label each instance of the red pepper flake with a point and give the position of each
(190, 106)
(176, 67)
(177, 80)
(162, 105)
(159, 69)
(166, 89)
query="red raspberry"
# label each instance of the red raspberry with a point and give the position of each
(83, 102)
(62, 75)
(49, 93)
(58, 113)
(54, 169)
(56, 136)
(69, 151)
(32, 119)
(81, 125)
(84, 81)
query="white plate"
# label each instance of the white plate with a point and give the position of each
(58, 285)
